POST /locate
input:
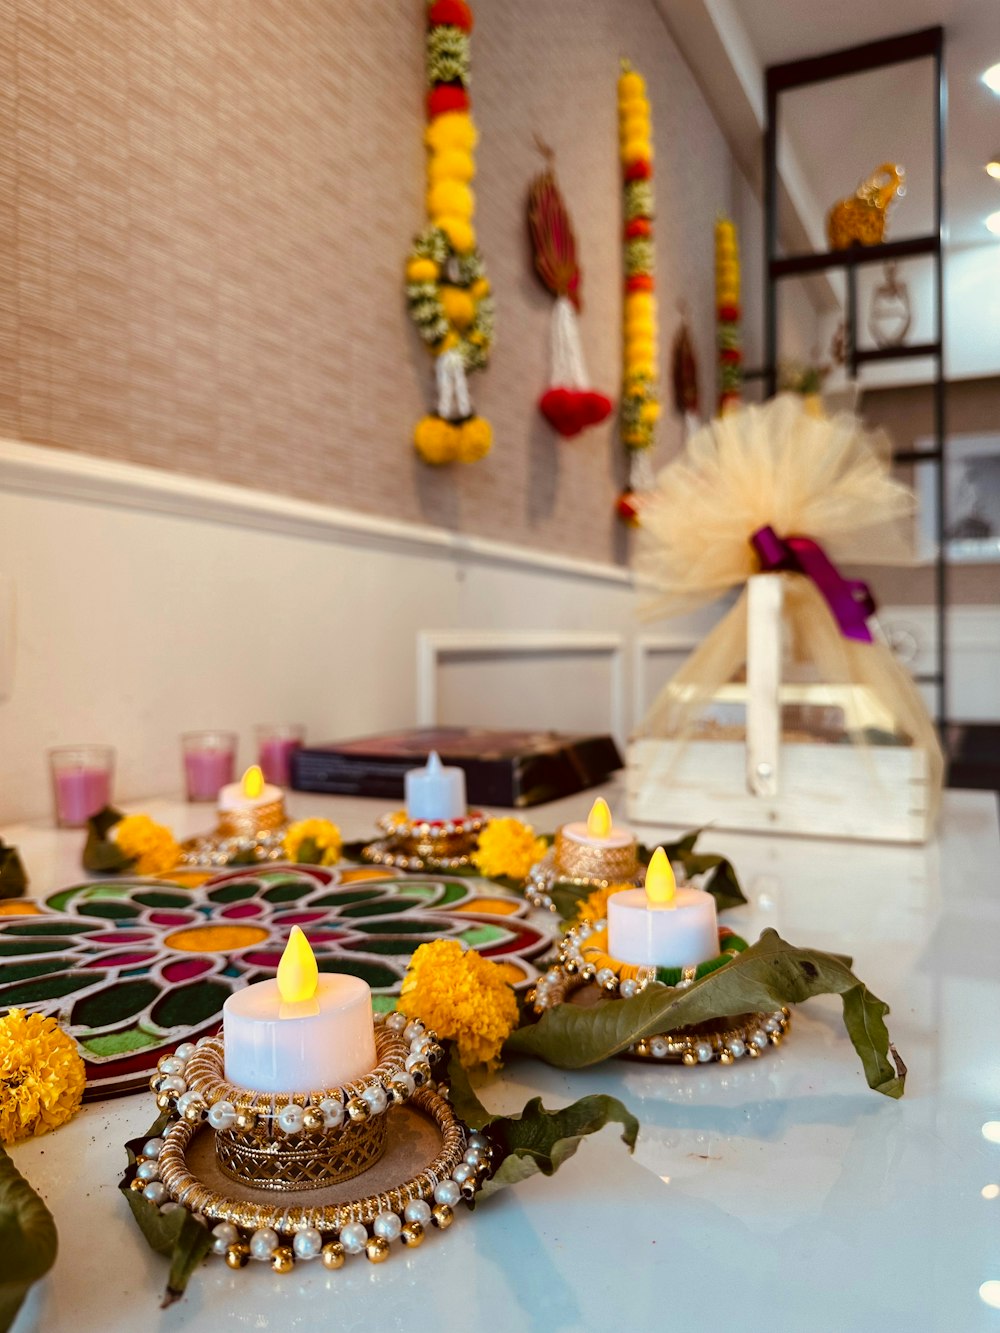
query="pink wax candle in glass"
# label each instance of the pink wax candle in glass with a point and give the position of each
(275, 746)
(209, 763)
(81, 782)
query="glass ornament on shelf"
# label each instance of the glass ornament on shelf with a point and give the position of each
(890, 314)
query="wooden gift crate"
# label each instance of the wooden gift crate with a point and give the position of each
(768, 782)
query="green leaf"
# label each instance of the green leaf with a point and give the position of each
(101, 855)
(176, 1234)
(13, 877)
(537, 1140)
(769, 974)
(723, 885)
(309, 853)
(28, 1240)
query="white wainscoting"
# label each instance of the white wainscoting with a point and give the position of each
(655, 658)
(973, 654)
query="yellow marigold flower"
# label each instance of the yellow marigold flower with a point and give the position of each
(462, 997)
(637, 150)
(452, 130)
(635, 126)
(450, 199)
(639, 349)
(313, 842)
(436, 440)
(480, 288)
(459, 232)
(150, 845)
(475, 440)
(454, 164)
(41, 1076)
(631, 85)
(650, 412)
(458, 306)
(449, 341)
(422, 270)
(508, 847)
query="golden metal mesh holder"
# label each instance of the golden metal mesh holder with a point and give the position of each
(246, 823)
(599, 866)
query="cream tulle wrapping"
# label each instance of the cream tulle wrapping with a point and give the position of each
(825, 479)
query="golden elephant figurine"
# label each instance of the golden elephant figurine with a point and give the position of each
(860, 219)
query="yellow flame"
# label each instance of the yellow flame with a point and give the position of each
(298, 975)
(599, 819)
(660, 883)
(253, 782)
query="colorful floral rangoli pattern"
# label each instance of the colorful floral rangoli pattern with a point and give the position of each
(133, 967)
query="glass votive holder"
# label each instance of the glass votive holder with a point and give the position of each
(209, 763)
(81, 782)
(275, 746)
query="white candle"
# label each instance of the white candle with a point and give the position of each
(661, 925)
(435, 792)
(598, 831)
(249, 793)
(302, 1032)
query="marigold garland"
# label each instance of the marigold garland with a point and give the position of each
(150, 846)
(447, 290)
(41, 1076)
(727, 311)
(640, 406)
(461, 996)
(313, 842)
(508, 847)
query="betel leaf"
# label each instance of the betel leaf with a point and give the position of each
(765, 976)
(101, 854)
(724, 884)
(176, 1234)
(13, 877)
(28, 1240)
(536, 1140)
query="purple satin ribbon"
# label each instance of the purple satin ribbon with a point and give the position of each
(850, 600)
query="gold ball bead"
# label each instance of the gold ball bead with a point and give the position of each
(442, 1215)
(726, 1057)
(421, 1073)
(137, 1185)
(245, 1120)
(358, 1110)
(312, 1120)
(377, 1249)
(163, 1101)
(283, 1260)
(412, 1233)
(237, 1256)
(332, 1255)
(775, 1038)
(752, 1051)
(193, 1113)
(689, 1058)
(398, 1092)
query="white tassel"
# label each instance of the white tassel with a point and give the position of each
(641, 476)
(568, 368)
(454, 402)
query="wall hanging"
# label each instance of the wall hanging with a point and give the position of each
(569, 404)
(727, 315)
(447, 291)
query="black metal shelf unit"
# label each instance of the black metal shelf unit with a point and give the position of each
(927, 44)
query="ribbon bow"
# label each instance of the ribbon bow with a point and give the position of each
(850, 600)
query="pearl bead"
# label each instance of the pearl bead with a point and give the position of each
(387, 1225)
(658, 1048)
(396, 1022)
(263, 1243)
(447, 1192)
(290, 1118)
(772, 1025)
(477, 1141)
(307, 1244)
(376, 1097)
(222, 1115)
(418, 1211)
(185, 1050)
(736, 1047)
(604, 975)
(332, 1111)
(407, 1081)
(474, 1156)
(173, 1083)
(412, 1060)
(413, 1030)
(463, 1172)
(224, 1235)
(703, 1050)
(185, 1100)
(156, 1192)
(628, 988)
(148, 1171)
(759, 1040)
(152, 1148)
(171, 1065)
(354, 1237)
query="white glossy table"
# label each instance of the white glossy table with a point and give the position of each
(780, 1196)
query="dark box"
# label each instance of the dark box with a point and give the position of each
(505, 768)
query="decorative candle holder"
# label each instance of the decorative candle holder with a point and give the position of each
(571, 862)
(437, 844)
(417, 1171)
(241, 836)
(584, 972)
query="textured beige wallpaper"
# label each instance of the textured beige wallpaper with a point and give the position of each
(205, 208)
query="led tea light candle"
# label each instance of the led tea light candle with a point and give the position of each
(661, 925)
(435, 793)
(596, 851)
(303, 1030)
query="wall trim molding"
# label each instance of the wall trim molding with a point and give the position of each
(647, 646)
(434, 645)
(34, 469)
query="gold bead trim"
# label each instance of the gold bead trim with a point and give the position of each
(425, 846)
(186, 1189)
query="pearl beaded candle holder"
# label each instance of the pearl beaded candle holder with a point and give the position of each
(299, 1141)
(438, 844)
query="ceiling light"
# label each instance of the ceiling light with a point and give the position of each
(993, 167)
(993, 222)
(992, 79)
